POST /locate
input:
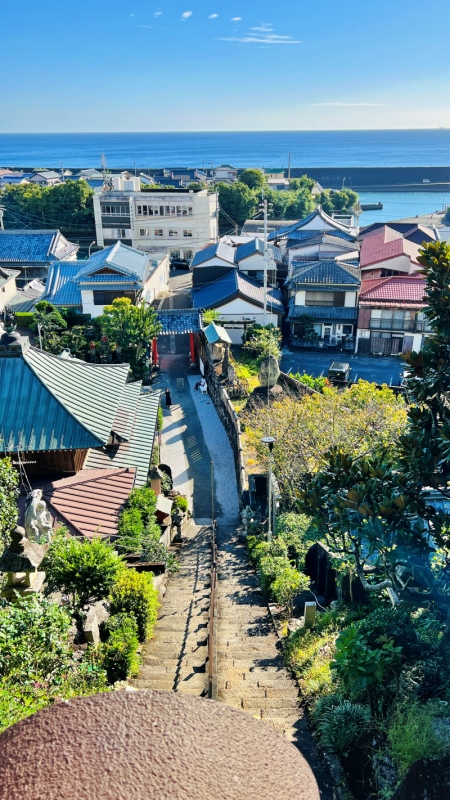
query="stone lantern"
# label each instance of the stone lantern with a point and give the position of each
(21, 560)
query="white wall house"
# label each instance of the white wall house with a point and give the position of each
(8, 286)
(176, 222)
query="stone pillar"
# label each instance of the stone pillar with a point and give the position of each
(192, 348)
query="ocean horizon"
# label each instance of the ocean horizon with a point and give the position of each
(144, 151)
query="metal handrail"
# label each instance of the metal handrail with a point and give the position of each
(212, 608)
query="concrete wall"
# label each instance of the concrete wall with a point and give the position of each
(7, 291)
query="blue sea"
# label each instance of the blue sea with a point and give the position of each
(144, 151)
(241, 149)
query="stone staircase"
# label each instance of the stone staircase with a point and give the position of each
(175, 659)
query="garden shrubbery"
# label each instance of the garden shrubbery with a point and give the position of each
(119, 651)
(134, 594)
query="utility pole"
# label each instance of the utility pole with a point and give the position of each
(266, 259)
(289, 167)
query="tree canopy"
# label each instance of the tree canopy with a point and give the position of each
(253, 178)
(132, 328)
(67, 206)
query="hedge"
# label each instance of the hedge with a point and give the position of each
(24, 319)
(134, 594)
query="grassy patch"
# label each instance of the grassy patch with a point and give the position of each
(246, 367)
(309, 654)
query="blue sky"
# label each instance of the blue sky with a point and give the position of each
(161, 65)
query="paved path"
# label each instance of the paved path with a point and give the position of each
(369, 368)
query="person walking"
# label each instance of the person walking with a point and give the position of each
(168, 398)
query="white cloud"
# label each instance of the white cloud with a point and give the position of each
(236, 19)
(158, 14)
(351, 105)
(261, 37)
(186, 14)
(263, 28)
(144, 26)
(213, 16)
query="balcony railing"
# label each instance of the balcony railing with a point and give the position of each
(411, 325)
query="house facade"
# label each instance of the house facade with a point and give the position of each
(177, 222)
(116, 271)
(391, 317)
(240, 301)
(326, 292)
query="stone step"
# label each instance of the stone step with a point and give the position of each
(141, 683)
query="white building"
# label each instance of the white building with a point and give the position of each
(177, 222)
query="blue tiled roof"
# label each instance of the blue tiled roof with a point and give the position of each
(324, 313)
(21, 246)
(249, 249)
(317, 213)
(119, 256)
(328, 272)
(299, 237)
(235, 283)
(61, 289)
(179, 321)
(219, 250)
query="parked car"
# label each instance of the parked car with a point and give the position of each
(179, 263)
(339, 373)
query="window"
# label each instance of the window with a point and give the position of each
(106, 298)
(117, 210)
(336, 299)
(173, 211)
(167, 211)
(347, 330)
(173, 234)
(155, 211)
(175, 253)
(161, 211)
(392, 320)
(144, 231)
(187, 234)
(139, 211)
(188, 254)
(184, 211)
(158, 232)
(178, 211)
(190, 211)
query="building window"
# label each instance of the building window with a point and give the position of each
(106, 298)
(158, 232)
(116, 210)
(175, 253)
(161, 211)
(144, 232)
(187, 234)
(188, 254)
(178, 211)
(336, 299)
(347, 330)
(190, 211)
(173, 211)
(392, 320)
(173, 234)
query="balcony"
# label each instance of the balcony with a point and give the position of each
(395, 325)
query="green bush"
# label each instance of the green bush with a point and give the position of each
(280, 580)
(340, 725)
(317, 384)
(288, 582)
(295, 530)
(181, 503)
(137, 522)
(135, 595)
(160, 419)
(416, 731)
(82, 569)
(158, 552)
(24, 319)
(119, 652)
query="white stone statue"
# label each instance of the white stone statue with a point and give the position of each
(38, 521)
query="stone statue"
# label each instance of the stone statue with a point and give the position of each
(21, 560)
(269, 372)
(38, 521)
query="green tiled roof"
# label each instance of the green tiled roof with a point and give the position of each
(49, 403)
(137, 451)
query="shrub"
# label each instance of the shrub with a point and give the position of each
(181, 503)
(82, 569)
(317, 384)
(309, 653)
(287, 583)
(134, 594)
(24, 319)
(341, 724)
(295, 531)
(158, 552)
(119, 652)
(137, 521)
(415, 731)
(160, 419)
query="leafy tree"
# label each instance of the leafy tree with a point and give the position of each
(67, 206)
(85, 570)
(263, 341)
(9, 492)
(132, 328)
(48, 317)
(342, 200)
(358, 420)
(304, 182)
(237, 203)
(74, 340)
(211, 315)
(318, 384)
(253, 178)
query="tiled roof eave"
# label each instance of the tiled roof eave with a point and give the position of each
(392, 303)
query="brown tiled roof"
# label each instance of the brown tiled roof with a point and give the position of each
(90, 502)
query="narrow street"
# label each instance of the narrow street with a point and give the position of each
(250, 672)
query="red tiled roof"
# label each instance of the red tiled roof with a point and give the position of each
(90, 501)
(384, 244)
(404, 289)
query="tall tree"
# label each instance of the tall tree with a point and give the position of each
(253, 178)
(132, 328)
(67, 206)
